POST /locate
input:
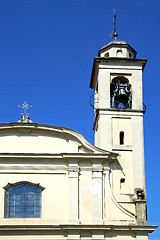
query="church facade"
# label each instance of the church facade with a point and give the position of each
(56, 185)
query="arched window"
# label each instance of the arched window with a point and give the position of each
(120, 93)
(106, 54)
(121, 138)
(122, 183)
(23, 201)
(119, 53)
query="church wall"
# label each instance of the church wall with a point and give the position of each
(123, 170)
(114, 212)
(28, 141)
(128, 205)
(89, 188)
(54, 196)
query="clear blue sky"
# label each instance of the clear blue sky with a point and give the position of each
(46, 54)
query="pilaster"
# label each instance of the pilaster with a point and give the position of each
(97, 176)
(73, 177)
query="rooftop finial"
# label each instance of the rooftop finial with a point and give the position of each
(114, 23)
(25, 115)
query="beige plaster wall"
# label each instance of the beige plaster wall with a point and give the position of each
(73, 192)
(123, 169)
(35, 143)
(54, 196)
(118, 125)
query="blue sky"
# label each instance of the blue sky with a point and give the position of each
(46, 54)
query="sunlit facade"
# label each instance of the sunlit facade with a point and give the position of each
(56, 185)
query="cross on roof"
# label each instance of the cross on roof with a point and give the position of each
(25, 106)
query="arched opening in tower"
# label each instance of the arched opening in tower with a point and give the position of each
(120, 93)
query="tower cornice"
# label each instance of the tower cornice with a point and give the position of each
(97, 60)
(113, 111)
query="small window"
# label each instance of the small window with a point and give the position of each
(121, 138)
(106, 54)
(122, 182)
(119, 53)
(23, 201)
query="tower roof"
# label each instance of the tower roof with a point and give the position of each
(116, 43)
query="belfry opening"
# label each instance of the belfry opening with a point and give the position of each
(120, 92)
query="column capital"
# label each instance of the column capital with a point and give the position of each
(97, 174)
(73, 173)
(97, 166)
(73, 169)
(97, 169)
(106, 169)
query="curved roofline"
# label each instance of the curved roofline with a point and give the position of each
(63, 130)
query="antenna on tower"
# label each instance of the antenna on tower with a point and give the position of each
(114, 33)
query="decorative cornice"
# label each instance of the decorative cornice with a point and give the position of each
(141, 61)
(67, 156)
(79, 227)
(117, 111)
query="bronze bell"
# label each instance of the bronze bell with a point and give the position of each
(122, 95)
(122, 92)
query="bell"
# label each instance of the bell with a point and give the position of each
(122, 95)
(122, 92)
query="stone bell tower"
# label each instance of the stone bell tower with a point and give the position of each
(118, 118)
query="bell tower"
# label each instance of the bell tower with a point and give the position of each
(118, 117)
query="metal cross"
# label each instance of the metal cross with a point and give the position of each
(25, 106)
(114, 24)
